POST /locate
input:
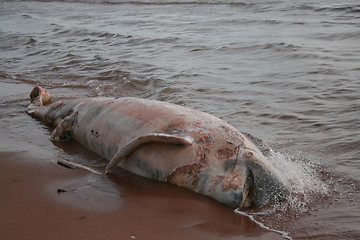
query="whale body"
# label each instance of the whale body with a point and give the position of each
(166, 142)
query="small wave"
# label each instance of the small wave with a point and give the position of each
(83, 32)
(113, 75)
(349, 8)
(275, 47)
(280, 116)
(121, 84)
(10, 41)
(167, 2)
(31, 41)
(303, 178)
(173, 2)
(353, 35)
(343, 8)
(305, 186)
(251, 217)
(20, 78)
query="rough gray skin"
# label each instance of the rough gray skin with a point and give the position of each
(169, 143)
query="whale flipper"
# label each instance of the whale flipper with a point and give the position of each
(144, 139)
(63, 130)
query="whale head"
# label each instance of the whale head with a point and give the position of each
(251, 184)
(264, 184)
(245, 180)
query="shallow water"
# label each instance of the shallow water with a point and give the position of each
(286, 72)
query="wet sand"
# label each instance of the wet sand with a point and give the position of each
(42, 199)
(32, 206)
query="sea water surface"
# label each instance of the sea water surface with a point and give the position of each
(286, 72)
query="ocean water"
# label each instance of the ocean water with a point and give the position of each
(286, 72)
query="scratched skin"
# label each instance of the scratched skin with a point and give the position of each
(220, 163)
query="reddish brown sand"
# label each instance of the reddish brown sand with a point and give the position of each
(142, 209)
